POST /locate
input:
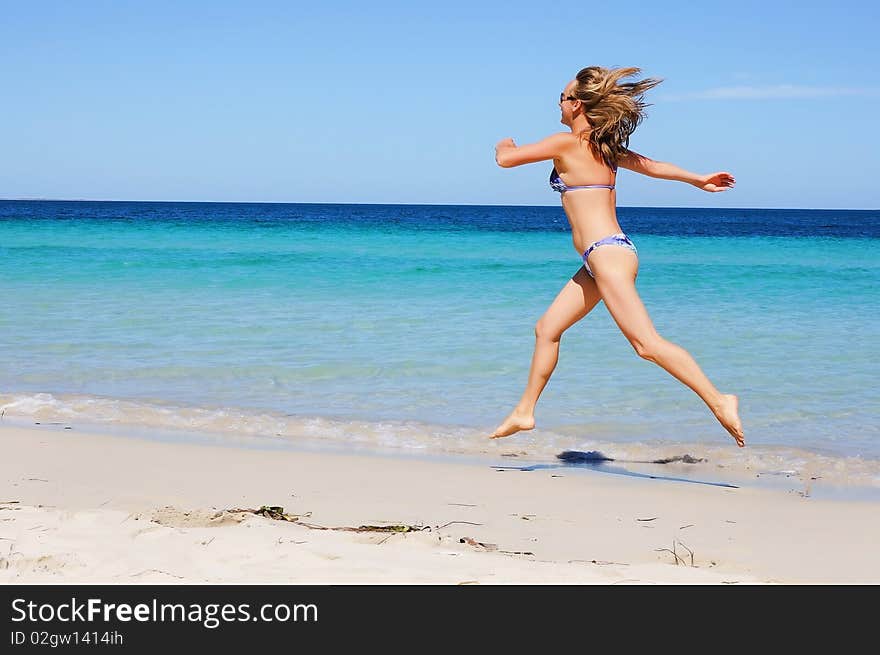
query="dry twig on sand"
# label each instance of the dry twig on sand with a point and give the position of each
(477, 544)
(275, 512)
(675, 554)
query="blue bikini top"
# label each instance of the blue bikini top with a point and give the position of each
(557, 184)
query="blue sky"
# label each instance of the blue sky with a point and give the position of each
(402, 102)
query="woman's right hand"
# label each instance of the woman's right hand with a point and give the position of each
(715, 182)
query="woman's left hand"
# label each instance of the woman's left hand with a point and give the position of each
(715, 182)
(505, 143)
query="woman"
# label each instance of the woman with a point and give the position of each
(601, 114)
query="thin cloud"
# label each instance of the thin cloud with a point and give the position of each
(772, 92)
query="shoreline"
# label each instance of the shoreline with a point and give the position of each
(825, 484)
(96, 508)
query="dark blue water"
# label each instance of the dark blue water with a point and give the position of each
(662, 221)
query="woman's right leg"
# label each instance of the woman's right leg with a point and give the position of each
(579, 295)
(616, 270)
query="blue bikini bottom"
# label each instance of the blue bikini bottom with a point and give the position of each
(619, 239)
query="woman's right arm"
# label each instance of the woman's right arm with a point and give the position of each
(633, 161)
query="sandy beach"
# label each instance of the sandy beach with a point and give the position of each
(101, 508)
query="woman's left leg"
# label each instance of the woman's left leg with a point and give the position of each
(576, 299)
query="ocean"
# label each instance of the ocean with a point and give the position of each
(410, 329)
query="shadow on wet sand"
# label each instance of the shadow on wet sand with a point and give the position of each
(596, 461)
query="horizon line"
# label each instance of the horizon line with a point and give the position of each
(411, 204)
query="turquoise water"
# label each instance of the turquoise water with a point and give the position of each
(412, 327)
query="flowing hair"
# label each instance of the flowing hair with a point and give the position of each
(613, 109)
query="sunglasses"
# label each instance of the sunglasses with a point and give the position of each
(563, 97)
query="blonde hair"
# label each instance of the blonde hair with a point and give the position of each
(613, 109)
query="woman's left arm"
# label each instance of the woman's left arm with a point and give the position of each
(713, 182)
(508, 154)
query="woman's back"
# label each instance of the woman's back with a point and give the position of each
(591, 212)
(578, 165)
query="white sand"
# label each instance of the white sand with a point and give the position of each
(114, 509)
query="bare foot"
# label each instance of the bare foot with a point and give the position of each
(727, 413)
(514, 423)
